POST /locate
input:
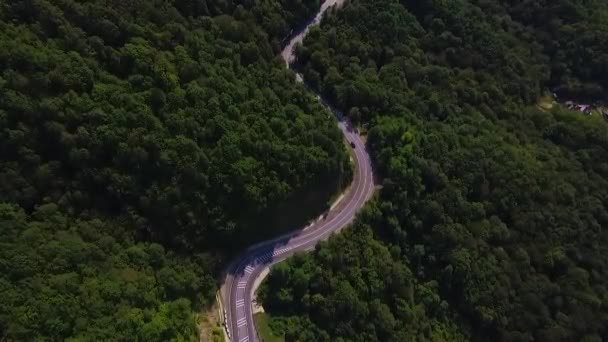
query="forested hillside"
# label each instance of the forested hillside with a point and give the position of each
(573, 36)
(87, 280)
(489, 224)
(141, 144)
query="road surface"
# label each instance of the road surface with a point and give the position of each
(288, 52)
(238, 289)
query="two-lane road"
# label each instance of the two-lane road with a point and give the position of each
(239, 285)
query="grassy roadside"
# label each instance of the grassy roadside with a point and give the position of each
(209, 325)
(262, 324)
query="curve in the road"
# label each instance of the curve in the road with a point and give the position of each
(241, 278)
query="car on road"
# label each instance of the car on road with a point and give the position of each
(352, 144)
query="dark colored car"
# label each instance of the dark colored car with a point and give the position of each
(352, 144)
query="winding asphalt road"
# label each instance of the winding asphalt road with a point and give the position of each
(240, 282)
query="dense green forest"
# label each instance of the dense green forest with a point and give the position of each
(87, 280)
(489, 223)
(356, 288)
(142, 143)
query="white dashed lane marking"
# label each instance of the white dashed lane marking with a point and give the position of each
(264, 258)
(281, 251)
(241, 322)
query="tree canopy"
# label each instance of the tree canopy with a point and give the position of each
(488, 202)
(191, 127)
(86, 280)
(143, 143)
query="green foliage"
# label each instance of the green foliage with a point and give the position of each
(354, 288)
(496, 207)
(573, 35)
(189, 126)
(141, 144)
(84, 280)
(262, 326)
